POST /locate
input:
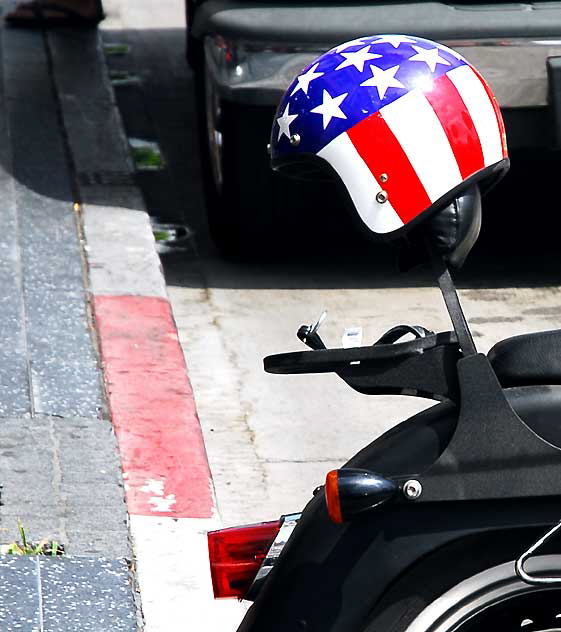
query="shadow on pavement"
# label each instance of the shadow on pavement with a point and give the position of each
(518, 245)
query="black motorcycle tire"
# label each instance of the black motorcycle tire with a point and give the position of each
(460, 600)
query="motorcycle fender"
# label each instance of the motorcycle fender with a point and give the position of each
(330, 576)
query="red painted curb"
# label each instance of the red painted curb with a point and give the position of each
(152, 408)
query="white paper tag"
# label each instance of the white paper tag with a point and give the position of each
(352, 337)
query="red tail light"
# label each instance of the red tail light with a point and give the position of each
(236, 555)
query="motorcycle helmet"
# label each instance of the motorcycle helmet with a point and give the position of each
(407, 125)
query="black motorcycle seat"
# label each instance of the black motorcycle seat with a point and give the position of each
(539, 407)
(528, 359)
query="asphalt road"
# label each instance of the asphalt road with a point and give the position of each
(271, 439)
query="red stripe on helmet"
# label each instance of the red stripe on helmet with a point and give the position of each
(382, 153)
(458, 125)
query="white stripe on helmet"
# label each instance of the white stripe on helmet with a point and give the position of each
(342, 155)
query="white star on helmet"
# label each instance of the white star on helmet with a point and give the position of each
(306, 78)
(330, 108)
(345, 45)
(383, 79)
(430, 56)
(357, 58)
(285, 121)
(394, 40)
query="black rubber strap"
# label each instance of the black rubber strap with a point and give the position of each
(396, 333)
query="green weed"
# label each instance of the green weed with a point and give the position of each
(147, 158)
(116, 49)
(25, 547)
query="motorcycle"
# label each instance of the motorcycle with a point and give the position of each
(447, 522)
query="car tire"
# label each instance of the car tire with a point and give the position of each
(239, 185)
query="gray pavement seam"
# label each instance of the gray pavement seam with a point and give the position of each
(57, 477)
(40, 596)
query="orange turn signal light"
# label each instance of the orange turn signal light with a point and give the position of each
(332, 496)
(350, 491)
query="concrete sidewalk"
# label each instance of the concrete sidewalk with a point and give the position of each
(59, 465)
(100, 442)
(75, 239)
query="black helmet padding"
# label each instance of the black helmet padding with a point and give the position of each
(454, 230)
(450, 232)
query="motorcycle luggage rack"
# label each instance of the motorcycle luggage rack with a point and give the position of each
(424, 367)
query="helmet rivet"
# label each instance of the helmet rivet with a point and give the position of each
(269, 148)
(295, 140)
(382, 197)
(384, 177)
(412, 489)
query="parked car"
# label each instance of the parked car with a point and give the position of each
(244, 55)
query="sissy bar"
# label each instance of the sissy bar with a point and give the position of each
(492, 454)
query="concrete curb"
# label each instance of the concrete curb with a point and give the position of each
(169, 490)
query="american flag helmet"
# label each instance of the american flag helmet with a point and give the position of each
(404, 123)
